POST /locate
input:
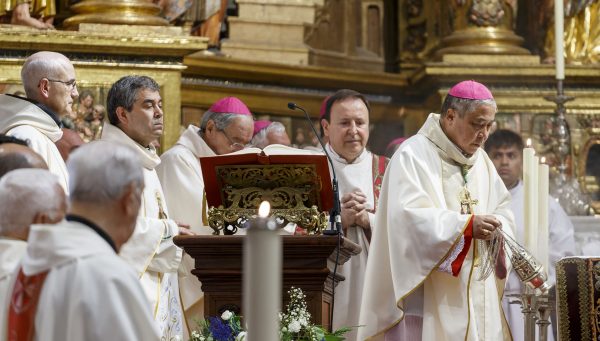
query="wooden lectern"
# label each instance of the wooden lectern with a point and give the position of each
(219, 266)
(298, 186)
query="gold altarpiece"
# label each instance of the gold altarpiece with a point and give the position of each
(102, 54)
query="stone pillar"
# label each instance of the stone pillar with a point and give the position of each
(115, 12)
(480, 27)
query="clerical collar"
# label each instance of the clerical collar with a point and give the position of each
(337, 157)
(98, 230)
(44, 108)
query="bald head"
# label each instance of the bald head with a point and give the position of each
(46, 77)
(68, 143)
(16, 156)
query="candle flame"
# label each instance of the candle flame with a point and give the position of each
(528, 144)
(543, 159)
(264, 209)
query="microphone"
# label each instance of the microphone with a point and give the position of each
(335, 216)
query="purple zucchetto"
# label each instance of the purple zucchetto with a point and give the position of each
(260, 125)
(323, 107)
(471, 90)
(230, 105)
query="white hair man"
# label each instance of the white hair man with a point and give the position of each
(134, 108)
(441, 200)
(78, 288)
(49, 81)
(226, 127)
(27, 196)
(345, 122)
(267, 133)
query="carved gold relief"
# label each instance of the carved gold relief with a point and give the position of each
(292, 190)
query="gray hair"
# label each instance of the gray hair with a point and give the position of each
(221, 120)
(40, 65)
(100, 171)
(464, 106)
(124, 92)
(26, 192)
(260, 140)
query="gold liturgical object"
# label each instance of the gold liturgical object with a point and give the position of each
(115, 12)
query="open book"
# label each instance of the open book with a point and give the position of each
(285, 175)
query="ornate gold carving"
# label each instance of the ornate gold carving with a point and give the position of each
(562, 304)
(292, 190)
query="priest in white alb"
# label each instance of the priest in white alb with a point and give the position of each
(71, 284)
(345, 123)
(134, 108)
(49, 81)
(441, 203)
(226, 127)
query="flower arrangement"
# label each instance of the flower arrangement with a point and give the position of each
(294, 325)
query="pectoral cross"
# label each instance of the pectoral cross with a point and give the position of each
(466, 202)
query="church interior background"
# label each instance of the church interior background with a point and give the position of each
(402, 54)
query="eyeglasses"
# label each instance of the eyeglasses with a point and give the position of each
(234, 145)
(72, 84)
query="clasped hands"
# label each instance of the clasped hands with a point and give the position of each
(355, 211)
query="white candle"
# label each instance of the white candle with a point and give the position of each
(262, 277)
(530, 209)
(543, 196)
(559, 38)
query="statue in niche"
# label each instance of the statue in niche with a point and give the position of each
(37, 13)
(582, 32)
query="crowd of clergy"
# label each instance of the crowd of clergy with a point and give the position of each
(86, 236)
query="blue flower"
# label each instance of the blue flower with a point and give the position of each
(220, 330)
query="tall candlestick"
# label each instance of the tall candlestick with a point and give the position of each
(559, 37)
(530, 209)
(262, 277)
(543, 196)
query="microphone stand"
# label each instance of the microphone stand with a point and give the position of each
(335, 215)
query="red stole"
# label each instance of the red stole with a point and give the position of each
(23, 306)
(380, 163)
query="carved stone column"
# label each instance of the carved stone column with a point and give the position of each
(115, 12)
(480, 27)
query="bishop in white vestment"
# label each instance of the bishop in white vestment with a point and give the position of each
(226, 127)
(440, 199)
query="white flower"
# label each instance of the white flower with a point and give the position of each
(303, 321)
(195, 333)
(294, 326)
(226, 315)
(241, 336)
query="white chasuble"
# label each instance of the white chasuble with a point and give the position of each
(354, 176)
(25, 120)
(89, 292)
(419, 227)
(151, 250)
(181, 179)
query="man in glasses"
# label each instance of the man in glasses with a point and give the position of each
(134, 108)
(49, 81)
(226, 127)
